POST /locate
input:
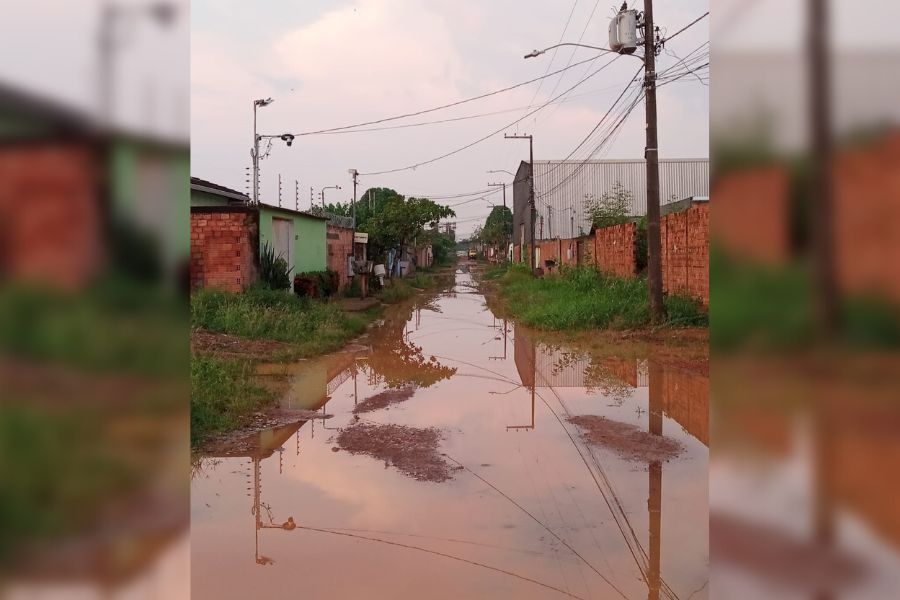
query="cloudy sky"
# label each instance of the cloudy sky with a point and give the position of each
(329, 63)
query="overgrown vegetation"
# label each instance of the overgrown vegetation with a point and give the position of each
(312, 327)
(612, 208)
(117, 325)
(583, 298)
(223, 395)
(316, 284)
(772, 308)
(273, 270)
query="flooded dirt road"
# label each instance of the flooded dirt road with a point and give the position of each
(457, 458)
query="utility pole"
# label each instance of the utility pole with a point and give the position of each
(296, 195)
(312, 200)
(822, 205)
(353, 173)
(533, 210)
(651, 155)
(550, 221)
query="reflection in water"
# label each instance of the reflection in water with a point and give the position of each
(531, 516)
(815, 514)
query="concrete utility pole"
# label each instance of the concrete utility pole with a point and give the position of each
(296, 195)
(354, 174)
(651, 154)
(279, 190)
(254, 152)
(533, 210)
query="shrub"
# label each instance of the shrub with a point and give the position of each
(316, 284)
(273, 270)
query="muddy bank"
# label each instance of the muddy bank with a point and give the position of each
(223, 345)
(385, 399)
(247, 441)
(410, 450)
(626, 440)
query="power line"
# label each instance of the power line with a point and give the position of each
(493, 133)
(443, 106)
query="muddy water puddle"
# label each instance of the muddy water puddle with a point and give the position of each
(453, 466)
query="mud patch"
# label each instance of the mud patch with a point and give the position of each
(385, 399)
(628, 441)
(410, 450)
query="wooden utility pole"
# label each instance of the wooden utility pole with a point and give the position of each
(651, 155)
(822, 204)
(531, 206)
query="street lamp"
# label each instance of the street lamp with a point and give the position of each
(536, 53)
(330, 187)
(110, 13)
(502, 171)
(254, 152)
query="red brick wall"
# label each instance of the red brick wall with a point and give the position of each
(224, 248)
(867, 219)
(751, 216)
(614, 250)
(339, 245)
(50, 214)
(685, 252)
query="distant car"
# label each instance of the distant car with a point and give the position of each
(473, 253)
(461, 253)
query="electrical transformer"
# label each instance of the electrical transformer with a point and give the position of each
(623, 36)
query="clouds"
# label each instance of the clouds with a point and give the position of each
(332, 63)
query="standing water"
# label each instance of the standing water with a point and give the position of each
(459, 456)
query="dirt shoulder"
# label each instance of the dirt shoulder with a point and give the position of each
(223, 345)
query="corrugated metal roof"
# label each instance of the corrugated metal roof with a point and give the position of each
(562, 187)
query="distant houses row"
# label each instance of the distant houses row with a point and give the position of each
(229, 232)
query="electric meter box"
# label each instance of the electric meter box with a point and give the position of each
(623, 32)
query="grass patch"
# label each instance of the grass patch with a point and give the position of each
(115, 326)
(223, 395)
(494, 272)
(772, 308)
(312, 327)
(582, 298)
(397, 291)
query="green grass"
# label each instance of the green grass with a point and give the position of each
(115, 326)
(223, 395)
(312, 327)
(583, 298)
(772, 308)
(397, 291)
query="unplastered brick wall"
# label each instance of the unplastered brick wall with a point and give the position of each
(339, 242)
(685, 252)
(867, 219)
(751, 216)
(614, 250)
(50, 213)
(224, 248)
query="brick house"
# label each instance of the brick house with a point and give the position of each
(74, 196)
(228, 233)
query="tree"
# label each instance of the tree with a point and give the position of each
(612, 208)
(498, 227)
(398, 221)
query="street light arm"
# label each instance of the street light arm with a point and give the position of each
(535, 53)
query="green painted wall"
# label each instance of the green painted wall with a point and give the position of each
(309, 239)
(164, 211)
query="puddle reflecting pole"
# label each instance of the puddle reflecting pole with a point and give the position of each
(654, 497)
